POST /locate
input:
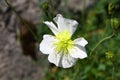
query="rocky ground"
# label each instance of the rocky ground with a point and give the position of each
(14, 65)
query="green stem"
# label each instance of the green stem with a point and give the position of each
(113, 69)
(52, 7)
(83, 12)
(104, 39)
(21, 19)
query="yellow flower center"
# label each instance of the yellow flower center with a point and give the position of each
(64, 42)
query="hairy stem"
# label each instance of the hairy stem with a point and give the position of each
(83, 11)
(101, 41)
(113, 69)
(52, 7)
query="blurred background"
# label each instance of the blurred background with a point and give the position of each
(21, 31)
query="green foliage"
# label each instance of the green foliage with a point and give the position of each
(94, 25)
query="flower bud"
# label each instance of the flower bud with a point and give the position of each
(110, 8)
(109, 54)
(45, 6)
(115, 23)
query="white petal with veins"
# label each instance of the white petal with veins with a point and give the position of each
(52, 27)
(65, 24)
(61, 60)
(46, 46)
(68, 61)
(80, 41)
(78, 52)
(55, 58)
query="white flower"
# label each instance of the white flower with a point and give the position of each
(63, 51)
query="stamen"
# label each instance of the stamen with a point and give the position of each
(64, 42)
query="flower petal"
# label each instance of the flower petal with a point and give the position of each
(78, 52)
(65, 24)
(46, 44)
(55, 59)
(68, 61)
(52, 27)
(80, 41)
(61, 60)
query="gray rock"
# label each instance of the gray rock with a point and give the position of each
(13, 64)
